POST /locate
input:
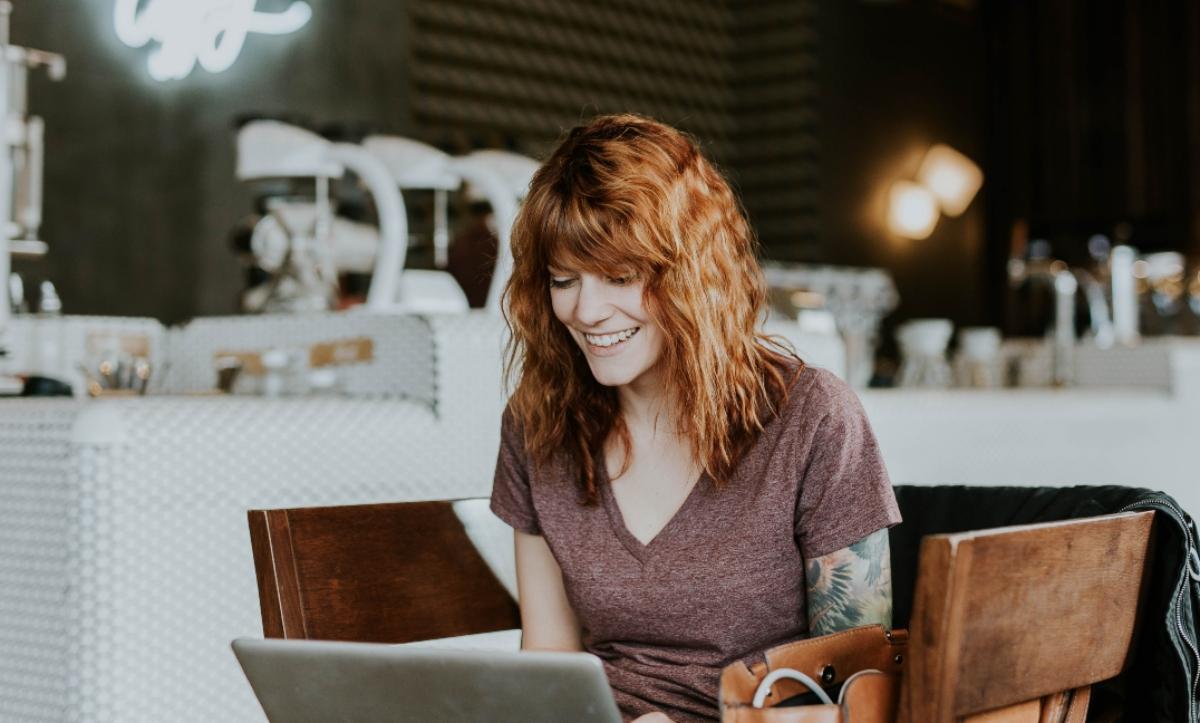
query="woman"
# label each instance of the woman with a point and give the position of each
(684, 493)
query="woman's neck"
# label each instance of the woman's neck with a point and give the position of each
(647, 410)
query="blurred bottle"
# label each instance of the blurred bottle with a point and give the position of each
(1029, 308)
(47, 335)
(1124, 294)
(16, 294)
(49, 302)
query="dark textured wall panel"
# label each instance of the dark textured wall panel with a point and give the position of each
(741, 76)
(529, 69)
(776, 111)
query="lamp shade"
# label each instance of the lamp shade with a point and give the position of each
(912, 210)
(953, 178)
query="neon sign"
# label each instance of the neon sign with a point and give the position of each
(209, 32)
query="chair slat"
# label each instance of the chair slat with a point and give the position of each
(388, 573)
(1009, 615)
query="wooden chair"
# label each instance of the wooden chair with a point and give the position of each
(388, 573)
(1009, 625)
(1014, 624)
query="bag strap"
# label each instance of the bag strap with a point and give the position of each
(764, 688)
(828, 659)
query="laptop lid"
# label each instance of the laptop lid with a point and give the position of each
(298, 681)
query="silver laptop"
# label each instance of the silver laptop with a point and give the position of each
(308, 680)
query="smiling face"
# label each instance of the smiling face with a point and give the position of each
(607, 318)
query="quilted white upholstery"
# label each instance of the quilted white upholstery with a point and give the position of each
(125, 565)
(492, 537)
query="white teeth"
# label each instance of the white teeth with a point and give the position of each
(610, 339)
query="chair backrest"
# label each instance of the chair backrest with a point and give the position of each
(1014, 614)
(389, 573)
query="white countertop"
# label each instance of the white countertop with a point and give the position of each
(1041, 437)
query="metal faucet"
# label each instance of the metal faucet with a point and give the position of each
(1066, 284)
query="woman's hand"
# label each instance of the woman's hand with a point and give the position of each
(654, 717)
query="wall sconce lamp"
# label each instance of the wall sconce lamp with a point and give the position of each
(947, 181)
(912, 210)
(952, 177)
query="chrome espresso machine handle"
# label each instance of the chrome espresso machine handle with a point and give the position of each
(21, 153)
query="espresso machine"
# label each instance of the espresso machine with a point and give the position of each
(21, 155)
(302, 243)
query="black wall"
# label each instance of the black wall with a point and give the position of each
(1094, 128)
(896, 79)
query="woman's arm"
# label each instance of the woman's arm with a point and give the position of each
(547, 620)
(851, 586)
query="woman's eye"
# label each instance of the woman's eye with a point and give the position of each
(620, 280)
(561, 282)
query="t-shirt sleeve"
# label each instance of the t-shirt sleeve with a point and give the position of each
(845, 493)
(512, 500)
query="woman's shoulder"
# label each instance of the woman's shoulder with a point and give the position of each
(508, 418)
(816, 393)
(512, 430)
(515, 444)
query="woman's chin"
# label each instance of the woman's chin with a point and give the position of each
(623, 375)
(609, 377)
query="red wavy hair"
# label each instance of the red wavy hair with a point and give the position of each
(625, 194)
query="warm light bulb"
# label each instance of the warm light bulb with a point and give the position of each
(912, 210)
(952, 177)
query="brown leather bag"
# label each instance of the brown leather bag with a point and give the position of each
(866, 659)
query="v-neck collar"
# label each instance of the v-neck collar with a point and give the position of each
(617, 520)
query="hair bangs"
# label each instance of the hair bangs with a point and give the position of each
(583, 236)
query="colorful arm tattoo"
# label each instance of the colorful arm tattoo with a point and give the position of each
(851, 586)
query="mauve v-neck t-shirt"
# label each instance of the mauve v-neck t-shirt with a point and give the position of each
(724, 579)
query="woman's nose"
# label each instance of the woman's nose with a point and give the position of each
(592, 306)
